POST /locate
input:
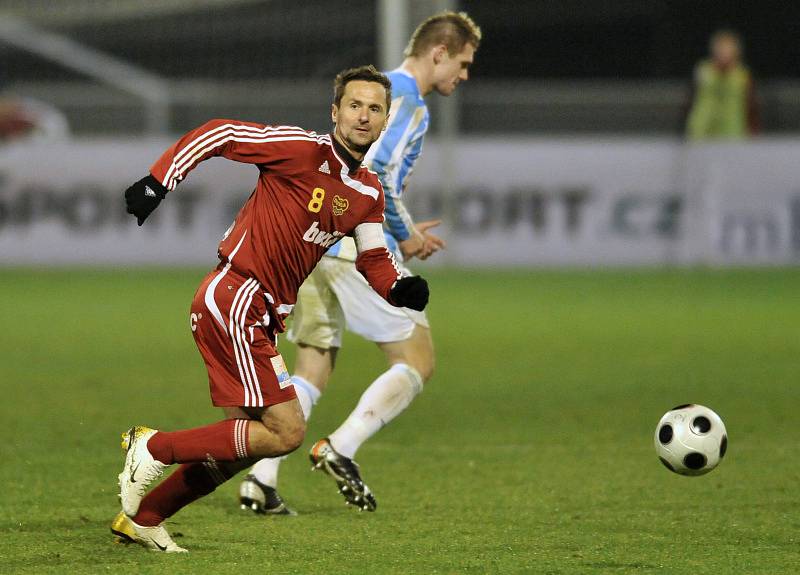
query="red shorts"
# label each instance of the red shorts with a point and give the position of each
(231, 326)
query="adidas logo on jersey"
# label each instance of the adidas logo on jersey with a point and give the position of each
(314, 235)
(324, 168)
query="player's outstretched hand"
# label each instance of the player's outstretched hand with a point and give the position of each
(412, 246)
(432, 243)
(143, 197)
(411, 292)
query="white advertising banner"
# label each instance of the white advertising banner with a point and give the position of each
(523, 202)
(63, 203)
(746, 202)
(504, 201)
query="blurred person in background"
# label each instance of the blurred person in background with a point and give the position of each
(723, 105)
(335, 296)
(28, 119)
(14, 122)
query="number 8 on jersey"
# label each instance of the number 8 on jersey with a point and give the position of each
(315, 204)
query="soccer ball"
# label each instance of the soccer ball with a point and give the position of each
(691, 439)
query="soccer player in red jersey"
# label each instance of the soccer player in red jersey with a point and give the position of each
(312, 190)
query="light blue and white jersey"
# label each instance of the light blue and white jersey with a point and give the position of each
(393, 157)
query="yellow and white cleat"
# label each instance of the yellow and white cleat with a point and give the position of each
(153, 538)
(140, 470)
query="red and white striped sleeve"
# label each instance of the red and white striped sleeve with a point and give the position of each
(375, 262)
(246, 142)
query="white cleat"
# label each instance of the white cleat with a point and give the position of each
(140, 470)
(153, 538)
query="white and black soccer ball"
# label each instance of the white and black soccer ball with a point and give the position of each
(691, 439)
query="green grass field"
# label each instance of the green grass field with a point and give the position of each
(529, 452)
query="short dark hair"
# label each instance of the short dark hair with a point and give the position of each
(453, 29)
(366, 73)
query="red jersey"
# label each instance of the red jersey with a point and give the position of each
(308, 196)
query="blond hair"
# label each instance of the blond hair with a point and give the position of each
(453, 29)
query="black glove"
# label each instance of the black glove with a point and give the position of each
(411, 292)
(143, 197)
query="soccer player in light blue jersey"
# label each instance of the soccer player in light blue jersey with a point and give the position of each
(336, 297)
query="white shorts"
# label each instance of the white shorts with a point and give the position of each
(336, 296)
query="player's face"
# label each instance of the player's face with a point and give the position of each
(361, 115)
(450, 70)
(725, 50)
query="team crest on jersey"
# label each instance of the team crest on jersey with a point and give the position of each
(340, 205)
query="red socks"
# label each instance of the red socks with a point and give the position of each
(204, 452)
(222, 441)
(188, 483)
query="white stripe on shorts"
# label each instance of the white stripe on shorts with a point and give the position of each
(237, 309)
(242, 337)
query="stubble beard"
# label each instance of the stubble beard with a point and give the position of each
(356, 147)
(350, 144)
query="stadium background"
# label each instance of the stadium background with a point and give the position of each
(600, 271)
